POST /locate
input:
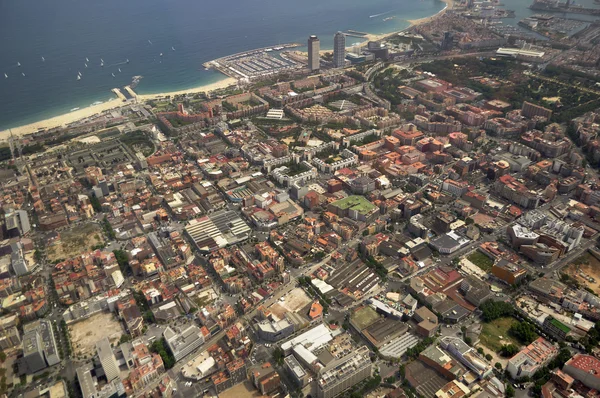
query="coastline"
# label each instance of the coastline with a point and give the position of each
(71, 117)
(420, 21)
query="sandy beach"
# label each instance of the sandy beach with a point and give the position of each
(420, 21)
(228, 81)
(67, 118)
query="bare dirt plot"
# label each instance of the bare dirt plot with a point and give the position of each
(586, 270)
(242, 390)
(85, 334)
(294, 301)
(77, 240)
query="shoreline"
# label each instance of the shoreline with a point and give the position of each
(83, 113)
(424, 20)
(113, 103)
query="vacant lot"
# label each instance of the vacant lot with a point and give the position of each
(77, 240)
(495, 334)
(293, 302)
(586, 270)
(242, 390)
(481, 260)
(85, 334)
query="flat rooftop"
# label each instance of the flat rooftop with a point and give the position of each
(357, 203)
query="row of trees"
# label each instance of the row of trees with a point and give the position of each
(524, 332)
(496, 309)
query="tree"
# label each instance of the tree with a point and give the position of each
(524, 332)
(320, 255)
(161, 348)
(278, 356)
(496, 309)
(95, 203)
(479, 350)
(125, 338)
(123, 261)
(488, 357)
(365, 232)
(468, 340)
(498, 365)
(37, 256)
(510, 391)
(2, 356)
(508, 350)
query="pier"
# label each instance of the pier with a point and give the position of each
(131, 92)
(119, 94)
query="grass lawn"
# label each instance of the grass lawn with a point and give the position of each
(491, 332)
(481, 260)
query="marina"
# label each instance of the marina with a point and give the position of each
(257, 63)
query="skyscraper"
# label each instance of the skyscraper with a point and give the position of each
(314, 47)
(107, 359)
(339, 50)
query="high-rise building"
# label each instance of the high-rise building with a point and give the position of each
(17, 222)
(39, 346)
(339, 50)
(107, 359)
(314, 48)
(33, 353)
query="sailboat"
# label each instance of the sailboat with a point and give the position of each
(119, 70)
(101, 62)
(149, 42)
(173, 48)
(127, 60)
(78, 77)
(23, 74)
(43, 59)
(18, 64)
(85, 65)
(86, 59)
(161, 54)
(78, 73)
(5, 76)
(113, 75)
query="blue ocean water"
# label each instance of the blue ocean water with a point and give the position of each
(66, 32)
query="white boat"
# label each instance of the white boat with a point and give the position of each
(161, 54)
(85, 65)
(86, 59)
(119, 70)
(5, 76)
(43, 59)
(23, 74)
(78, 73)
(78, 77)
(102, 64)
(149, 42)
(127, 60)
(173, 48)
(74, 109)
(113, 75)
(18, 64)
(268, 50)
